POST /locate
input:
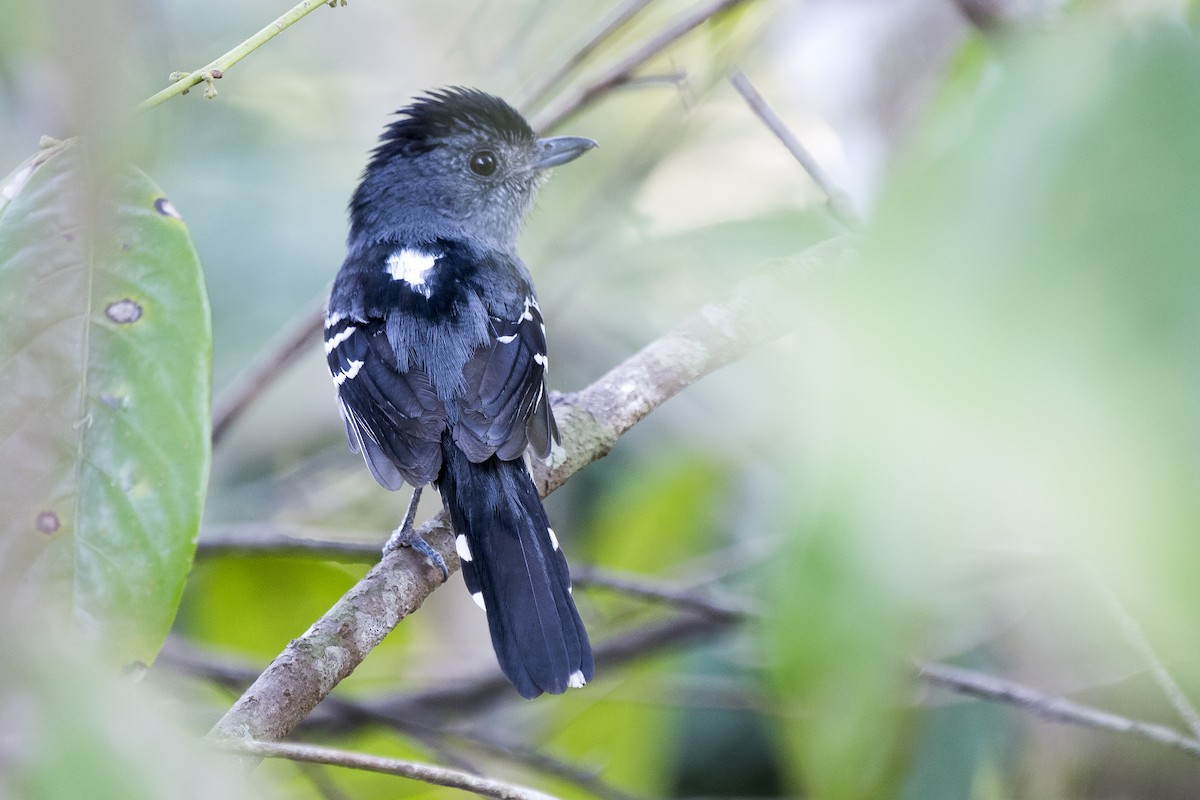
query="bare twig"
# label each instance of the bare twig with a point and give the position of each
(591, 422)
(1137, 640)
(473, 695)
(707, 602)
(432, 730)
(838, 203)
(256, 378)
(1049, 707)
(605, 30)
(278, 539)
(622, 69)
(181, 82)
(426, 773)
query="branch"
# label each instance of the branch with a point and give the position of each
(300, 333)
(291, 541)
(836, 199)
(1138, 641)
(609, 26)
(1049, 707)
(622, 69)
(285, 541)
(590, 421)
(706, 602)
(217, 68)
(427, 773)
(474, 695)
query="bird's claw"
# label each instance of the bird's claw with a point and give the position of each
(406, 536)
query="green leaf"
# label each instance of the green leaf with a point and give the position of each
(105, 347)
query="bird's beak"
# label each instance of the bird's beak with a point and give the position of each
(560, 149)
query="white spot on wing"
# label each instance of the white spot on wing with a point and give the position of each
(553, 538)
(412, 266)
(505, 339)
(526, 316)
(576, 681)
(478, 598)
(464, 549)
(338, 338)
(333, 319)
(541, 359)
(341, 377)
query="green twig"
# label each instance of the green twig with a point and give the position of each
(209, 73)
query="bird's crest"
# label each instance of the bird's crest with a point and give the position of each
(433, 118)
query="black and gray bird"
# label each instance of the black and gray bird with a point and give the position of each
(436, 345)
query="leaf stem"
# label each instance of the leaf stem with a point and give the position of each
(216, 68)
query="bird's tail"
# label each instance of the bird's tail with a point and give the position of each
(514, 568)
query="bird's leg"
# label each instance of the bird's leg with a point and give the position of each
(406, 536)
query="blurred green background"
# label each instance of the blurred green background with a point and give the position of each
(978, 434)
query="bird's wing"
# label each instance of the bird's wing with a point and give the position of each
(504, 408)
(393, 418)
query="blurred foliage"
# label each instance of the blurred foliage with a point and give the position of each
(1000, 398)
(71, 730)
(993, 407)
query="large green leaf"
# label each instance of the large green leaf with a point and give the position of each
(105, 347)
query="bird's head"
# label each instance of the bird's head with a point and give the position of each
(458, 163)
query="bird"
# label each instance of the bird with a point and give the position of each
(437, 347)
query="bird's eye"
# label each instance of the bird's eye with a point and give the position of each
(483, 163)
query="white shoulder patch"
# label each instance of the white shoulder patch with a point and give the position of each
(412, 266)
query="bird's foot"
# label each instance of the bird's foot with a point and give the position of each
(406, 536)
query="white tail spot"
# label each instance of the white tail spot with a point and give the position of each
(464, 549)
(553, 538)
(539, 358)
(478, 598)
(576, 680)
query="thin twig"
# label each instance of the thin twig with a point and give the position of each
(258, 377)
(706, 602)
(218, 67)
(282, 540)
(432, 730)
(339, 713)
(426, 773)
(590, 421)
(1050, 707)
(277, 539)
(473, 695)
(1137, 640)
(604, 31)
(622, 69)
(838, 204)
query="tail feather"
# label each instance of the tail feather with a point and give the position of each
(515, 569)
